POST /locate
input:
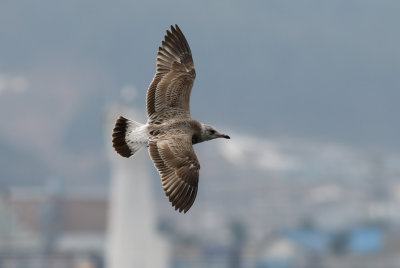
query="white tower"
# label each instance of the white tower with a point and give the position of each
(133, 239)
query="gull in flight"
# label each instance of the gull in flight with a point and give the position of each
(170, 131)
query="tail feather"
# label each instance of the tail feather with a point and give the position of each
(128, 137)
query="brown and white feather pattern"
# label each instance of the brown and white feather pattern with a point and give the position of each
(170, 131)
(168, 95)
(178, 166)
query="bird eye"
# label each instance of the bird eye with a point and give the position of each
(212, 131)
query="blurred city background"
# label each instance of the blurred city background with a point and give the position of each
(308, 91)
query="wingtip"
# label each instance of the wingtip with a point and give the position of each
(181, 208)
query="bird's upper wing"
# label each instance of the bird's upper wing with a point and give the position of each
(168, 95)
(179, 168)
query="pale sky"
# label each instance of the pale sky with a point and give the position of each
(312, 70)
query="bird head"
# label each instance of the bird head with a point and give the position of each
(210, 133)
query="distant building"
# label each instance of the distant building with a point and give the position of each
(37, 238)
(133, 237)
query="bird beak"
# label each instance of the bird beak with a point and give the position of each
(224, 136)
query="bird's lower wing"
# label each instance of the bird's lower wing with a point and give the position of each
(179, 168)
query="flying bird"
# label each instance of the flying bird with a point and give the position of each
(170, 131)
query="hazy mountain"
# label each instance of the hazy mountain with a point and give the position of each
(20, 167)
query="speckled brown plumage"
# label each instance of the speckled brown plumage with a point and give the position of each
(170, 131)
(168, 98)
(169, 93)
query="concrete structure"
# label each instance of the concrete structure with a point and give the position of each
(133, 239)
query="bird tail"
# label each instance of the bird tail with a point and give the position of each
(129, 136)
